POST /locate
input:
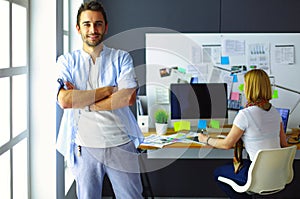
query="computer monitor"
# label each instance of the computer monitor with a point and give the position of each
(284, 113)
(198, 101)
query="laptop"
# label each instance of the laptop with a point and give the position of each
(284, 113)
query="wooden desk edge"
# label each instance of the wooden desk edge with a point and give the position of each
(295, 132)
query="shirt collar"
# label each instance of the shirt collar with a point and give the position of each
(87, 55)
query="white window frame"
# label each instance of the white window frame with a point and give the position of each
(11, 72)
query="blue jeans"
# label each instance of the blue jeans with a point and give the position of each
(240, 178)
(119, 163)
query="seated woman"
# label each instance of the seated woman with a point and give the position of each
(258, 125)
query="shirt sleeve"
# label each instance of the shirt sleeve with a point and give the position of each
(127, 77)
(241, 120)
(62, 72)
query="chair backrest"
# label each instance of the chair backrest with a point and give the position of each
(271, 170)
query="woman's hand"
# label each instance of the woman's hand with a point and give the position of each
(202, 137)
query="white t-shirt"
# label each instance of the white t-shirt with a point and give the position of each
(261, 128)
(101, 129)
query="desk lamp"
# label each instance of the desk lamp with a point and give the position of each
(284, 88)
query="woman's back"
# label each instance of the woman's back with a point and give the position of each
(261, 128)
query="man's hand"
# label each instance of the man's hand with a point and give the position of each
(69, 86)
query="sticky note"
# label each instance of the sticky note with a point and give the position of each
(215, 124)
(241, 87)
(275, 94)
(235, 79)
(182, 70)
(224, 59)
(182, 125)
(202, 124)
(235, 96)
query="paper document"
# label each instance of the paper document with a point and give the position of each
(160, 141)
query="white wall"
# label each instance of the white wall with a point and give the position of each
(42, 98)
(166, 50)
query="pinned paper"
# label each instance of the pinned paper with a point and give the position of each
(224, 59)
(241, 87)
(182, 125)
(235, 96)
(202, 124)
(215, 124)
(275, 94)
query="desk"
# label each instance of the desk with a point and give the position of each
(191, 176)
(294, 133)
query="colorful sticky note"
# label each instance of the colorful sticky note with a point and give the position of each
(241, 87)
(202, 124)
(182, 125)
(235, 96)
(235, 79)
(182, 70)
(215, 124)
(275, 94)
(224, 59)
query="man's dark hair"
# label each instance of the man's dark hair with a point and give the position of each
(93, 6)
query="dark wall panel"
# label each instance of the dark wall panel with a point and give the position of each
(134, 17)
(261, 16)
(178, 15)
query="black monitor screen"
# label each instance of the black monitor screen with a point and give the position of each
(198, 101)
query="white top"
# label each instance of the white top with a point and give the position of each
(99, 129)
(261, 128)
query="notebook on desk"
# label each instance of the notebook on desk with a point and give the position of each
(284, 113)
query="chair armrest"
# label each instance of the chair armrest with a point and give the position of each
(236, 187)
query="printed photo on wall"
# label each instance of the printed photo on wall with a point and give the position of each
(164, 72)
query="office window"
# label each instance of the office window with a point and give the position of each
(5, 110)
(4, 41)
(19, 107)
(5, 175)
(20, 184)
(14, 133)
(19, 36)
(66, 26)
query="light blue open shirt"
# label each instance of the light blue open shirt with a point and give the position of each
(116, 69)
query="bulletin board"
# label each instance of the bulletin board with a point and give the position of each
(176, 57)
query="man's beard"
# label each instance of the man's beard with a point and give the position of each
(95, 42)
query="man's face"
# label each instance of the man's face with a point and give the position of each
(92, 28)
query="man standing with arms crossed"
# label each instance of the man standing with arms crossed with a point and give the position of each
(98, 133)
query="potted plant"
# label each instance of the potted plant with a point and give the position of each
(161, 121)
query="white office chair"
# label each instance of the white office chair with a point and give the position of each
(269, 172)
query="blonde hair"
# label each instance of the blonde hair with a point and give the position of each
(257, 85)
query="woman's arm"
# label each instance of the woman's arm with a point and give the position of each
(233, 136)
(283, 142)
